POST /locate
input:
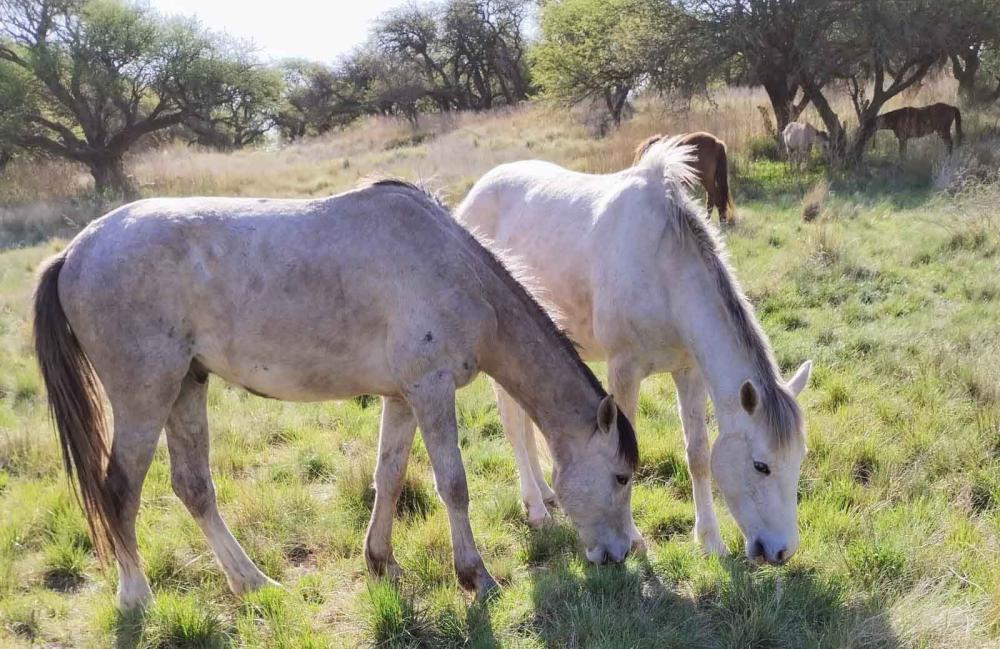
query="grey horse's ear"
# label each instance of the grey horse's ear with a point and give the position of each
(607, 414)
(748, 397)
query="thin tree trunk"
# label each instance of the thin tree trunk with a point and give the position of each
(965, 67)
(781, 102)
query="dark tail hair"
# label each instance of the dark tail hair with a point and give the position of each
(75, 405)
(727, 209)
(958, 127)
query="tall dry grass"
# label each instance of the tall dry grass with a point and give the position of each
(449, 151)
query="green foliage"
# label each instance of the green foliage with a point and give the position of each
(601, 50)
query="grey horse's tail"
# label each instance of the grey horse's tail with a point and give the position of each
(958, 127)
(75, 404)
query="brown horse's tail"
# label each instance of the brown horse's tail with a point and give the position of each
(727, 209)
(75, 405)
(958, 127)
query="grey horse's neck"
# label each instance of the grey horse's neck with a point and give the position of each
(535, 362)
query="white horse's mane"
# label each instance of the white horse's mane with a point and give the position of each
(685, 221)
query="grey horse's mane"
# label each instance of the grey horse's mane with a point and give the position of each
(686, 222)
(516, 278)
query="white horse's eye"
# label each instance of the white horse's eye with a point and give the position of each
(622, 479)
(762, 468)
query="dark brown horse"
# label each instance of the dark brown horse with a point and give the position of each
(913, 122)
(711, 166)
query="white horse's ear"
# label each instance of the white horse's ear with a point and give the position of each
(798, 382)
(748, 397)
(607, 414)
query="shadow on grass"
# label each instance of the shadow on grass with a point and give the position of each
(885, 179)
(654, 604)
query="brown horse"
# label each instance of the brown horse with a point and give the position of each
(913, 122)
(710, 165)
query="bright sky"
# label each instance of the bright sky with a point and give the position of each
(319, 30)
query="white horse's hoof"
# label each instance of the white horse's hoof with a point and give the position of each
(538, 520)
(252, 583)
(713, 545)
(134, 601)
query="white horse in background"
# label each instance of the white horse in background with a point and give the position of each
(373, 291)
(640, 280)
(799, 140)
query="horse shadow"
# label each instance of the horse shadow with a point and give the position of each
(670, 601)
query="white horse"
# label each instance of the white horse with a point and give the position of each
(640, 280)
(799, 139)
(373, 291)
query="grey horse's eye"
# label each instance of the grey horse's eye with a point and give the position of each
(762, 468)
(622, 479)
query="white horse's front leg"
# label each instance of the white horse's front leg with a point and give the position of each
(518, 428)
(624, 379)
(692, 396)
(432, 399)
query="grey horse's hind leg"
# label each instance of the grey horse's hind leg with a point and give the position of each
(394, 443)
(187, 440)
(132, 452)
(432, 399)
(139, 416)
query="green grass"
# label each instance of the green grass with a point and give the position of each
(891, 290)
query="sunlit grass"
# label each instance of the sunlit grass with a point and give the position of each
(890, 290)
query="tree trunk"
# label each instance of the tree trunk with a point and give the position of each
(965, 67)
(781, 102)
(834, 128)
(864, 135)
(110, 179)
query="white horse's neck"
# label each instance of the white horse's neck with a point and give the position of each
(711, 335)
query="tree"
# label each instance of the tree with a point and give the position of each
(878, 49)
(98, 76)
(991, 68)
(467, 52)
(603, 50)
(980, 21)
(766, 42)
(238, 100)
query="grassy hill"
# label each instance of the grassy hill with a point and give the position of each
(891, 288)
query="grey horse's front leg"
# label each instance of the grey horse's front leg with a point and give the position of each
(692, 396)
(394, 444)
(432, 399)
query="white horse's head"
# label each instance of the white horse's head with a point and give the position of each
(594, 486)
(756, 462)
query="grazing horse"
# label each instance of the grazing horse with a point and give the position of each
(377, 290)
(799, 139)
(640, 280)
(711, 169)
(913, 122)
